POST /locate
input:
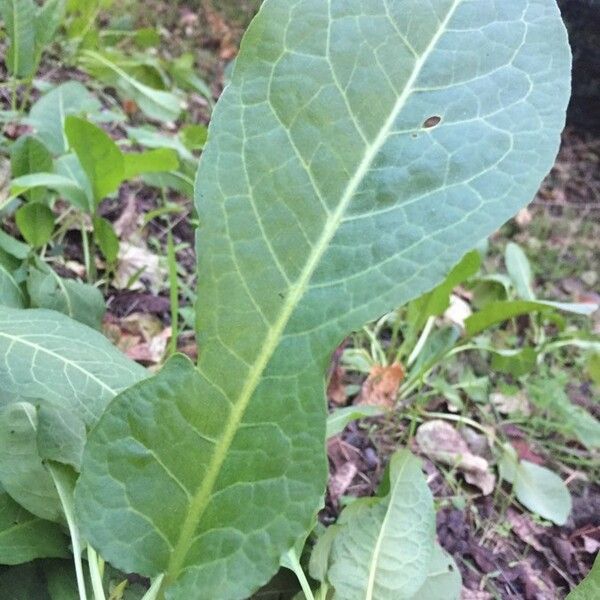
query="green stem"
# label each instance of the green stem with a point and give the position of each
(173, 293)
(64, 495)
(152, 593)
(421, 341)
(95, 574)
(296, 567)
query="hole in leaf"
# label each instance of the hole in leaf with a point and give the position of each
(431, 122)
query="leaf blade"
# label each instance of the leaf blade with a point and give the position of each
(282, 277)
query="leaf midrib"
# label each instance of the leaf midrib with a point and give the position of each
(202, 497)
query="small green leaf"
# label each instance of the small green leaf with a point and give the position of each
(47, 116)
(435, 302)
(25, 537)
(514, 362)
(383, 551)
(106, 238)
(98, 154)
(339, 418)
(154, 161)
(519, 270)
(156, 104)
(36, 223)
(19, 21)
(194, 136)
(175, 181)
(22, 473)
(29, 155)
(593, 367)
(47, 21)
(498, 312)
(78, 300)
(537, 488)
(67, 188)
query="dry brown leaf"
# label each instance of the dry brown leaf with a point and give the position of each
(468, 594)
(137, 263)
(128, 220)
(525, 528)
(440, 441)
(141, 336)
(221, 31)
(509, 404)
(341, 480)
(381, 386)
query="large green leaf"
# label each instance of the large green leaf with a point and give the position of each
(359, 151)
(24, 537)
(384, 549)
(46, 355)
(19, 21)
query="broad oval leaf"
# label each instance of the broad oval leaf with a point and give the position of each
(53, 360)
(383, 551)
(360, 149)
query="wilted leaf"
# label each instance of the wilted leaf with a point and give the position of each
(381, 386)
(440, 441)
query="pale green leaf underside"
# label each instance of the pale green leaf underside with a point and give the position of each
(324, 202)
(44, 355)
(383, 552)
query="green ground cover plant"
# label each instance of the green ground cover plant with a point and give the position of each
(354, 159)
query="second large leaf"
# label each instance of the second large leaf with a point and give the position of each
(361, 148)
